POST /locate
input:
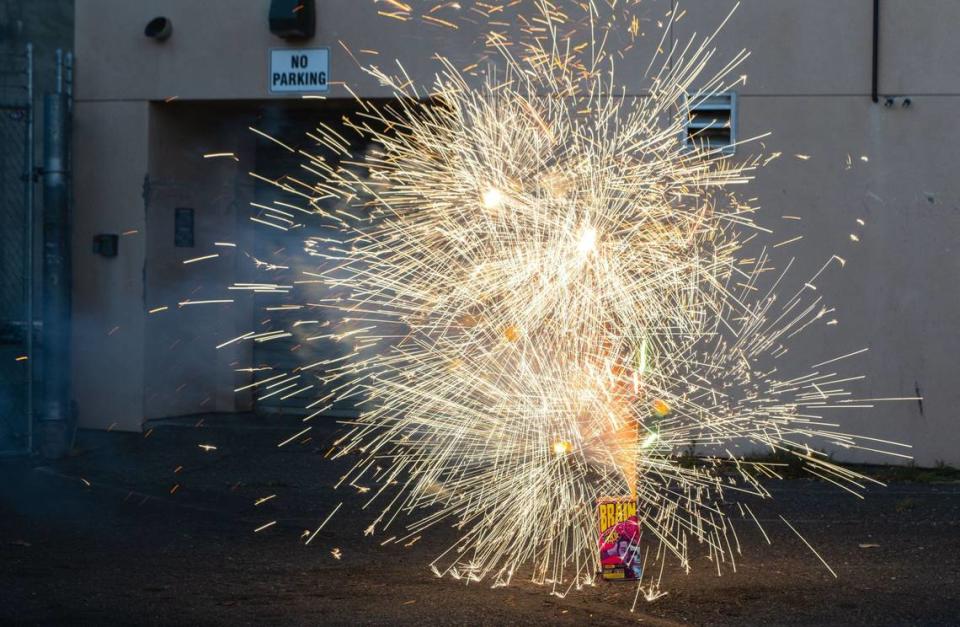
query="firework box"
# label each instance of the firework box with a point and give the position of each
(619, 539)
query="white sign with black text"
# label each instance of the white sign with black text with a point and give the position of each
(299, 71)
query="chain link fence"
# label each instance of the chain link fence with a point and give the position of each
(16, 234)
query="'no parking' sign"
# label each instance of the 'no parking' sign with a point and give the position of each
(299, 71)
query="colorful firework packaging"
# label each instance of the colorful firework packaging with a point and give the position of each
(619, 539)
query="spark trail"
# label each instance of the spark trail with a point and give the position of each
(546, 297)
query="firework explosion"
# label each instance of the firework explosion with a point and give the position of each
(546, 297)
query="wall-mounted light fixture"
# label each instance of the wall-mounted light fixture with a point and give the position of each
(293, 19)
(159, 28)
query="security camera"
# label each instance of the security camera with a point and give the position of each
(888, 103)
(906, 103)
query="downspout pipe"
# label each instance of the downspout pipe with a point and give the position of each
(876, 51)
(56, 423)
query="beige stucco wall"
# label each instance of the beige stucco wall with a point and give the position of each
(808, 83)
(108, 324)
(897, 293)
(184, 371)
(823, 47)
(220, 48)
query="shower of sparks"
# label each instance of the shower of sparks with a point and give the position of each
(543, 297)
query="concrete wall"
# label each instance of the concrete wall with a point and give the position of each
(895, 294)
(808, 82)
(184, 372)
(220, 48)
(109, 168)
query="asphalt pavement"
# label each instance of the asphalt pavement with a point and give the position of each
(161, 528)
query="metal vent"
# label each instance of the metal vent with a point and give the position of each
(711, 122)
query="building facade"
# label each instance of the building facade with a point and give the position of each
(147, 112)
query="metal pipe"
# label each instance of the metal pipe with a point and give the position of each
(59, 61)
(68, 77)
(57, 422)
(28, 235)
(876, 50)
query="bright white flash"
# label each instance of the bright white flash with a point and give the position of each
(588, 241)
(492, 198)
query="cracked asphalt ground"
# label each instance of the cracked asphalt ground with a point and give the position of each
(157, 530)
